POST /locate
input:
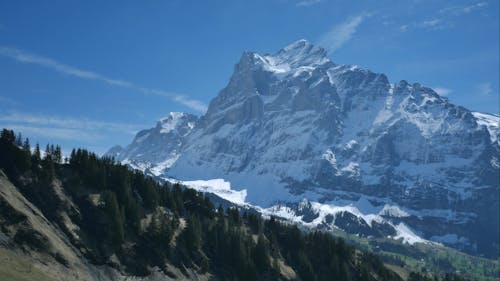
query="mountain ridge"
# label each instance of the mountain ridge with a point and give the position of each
(295, 125)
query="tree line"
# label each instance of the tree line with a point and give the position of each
(146, 223)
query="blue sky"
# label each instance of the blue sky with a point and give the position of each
(92, 73)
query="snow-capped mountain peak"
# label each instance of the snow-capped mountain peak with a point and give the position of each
(491, 122)
(294, 125)
(302, 53)
(298, 56)
(156, 149)
(174, 121)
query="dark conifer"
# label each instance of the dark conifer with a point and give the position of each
(111, 208)
(26, 146)
(37, 154)
(19, 140)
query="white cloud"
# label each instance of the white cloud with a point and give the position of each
(182, 99)
(56, 133)
(429, 23)
(5, 100)
(445, 18)
(484, 89)
(65, 128)
(340, 34)
(25, 57)
(444, 92)
(462, 10)
(434, 24)
(306, 3)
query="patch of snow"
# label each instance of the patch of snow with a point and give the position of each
(386, 113)
(492, 123)
(408, 236)
(141, 166)
(324, 210)
(141, 138)
(282, 212)
(393, 211)
(159, 168)
(352, 169)
(220, 188)
(494, 162)
(271, 64)
(330, 157)
(170, 122)
(350, 144)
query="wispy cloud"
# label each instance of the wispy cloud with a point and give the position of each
(65, 128)
(8, 101)
(444, 18)
(444, 92)
(55, 133)
(462, 10)
(434, 24)
(26, 57)
(340, 34)
(305, 3)
(484, 89)
(442, 65)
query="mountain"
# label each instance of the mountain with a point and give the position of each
(294, 125)
(158, 148)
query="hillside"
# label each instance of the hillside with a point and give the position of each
(86, 218)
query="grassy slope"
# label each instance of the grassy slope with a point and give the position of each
(15, 268)
(423, 257)
(402, 272)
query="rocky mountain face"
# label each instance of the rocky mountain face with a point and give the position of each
(158, 148)
(295, 125)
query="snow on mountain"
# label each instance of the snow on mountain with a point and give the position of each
(220, 187)
(491, 122)
(158, 148)
(295, 125)
(407, 235)
(319, 215)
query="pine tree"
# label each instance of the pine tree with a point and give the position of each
(7, 136)
(19, 140)
(261, 254)
(150, 195)
(306, 270)
(58, 155)
(166, 232)
(26, 146)
(192, 236)
(177, 198)
(26, 154)
(112, 210)
(133, 216)
(36, 154)
(47, 152)
(72, 157)
(48, 170)
(153, 227)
